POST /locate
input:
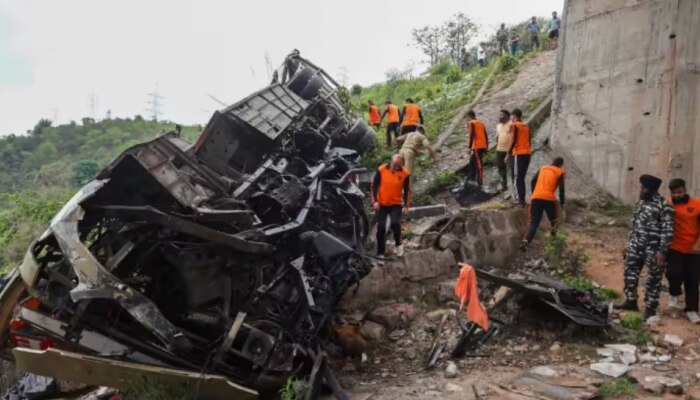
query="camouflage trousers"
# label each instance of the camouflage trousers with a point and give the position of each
(635, 260)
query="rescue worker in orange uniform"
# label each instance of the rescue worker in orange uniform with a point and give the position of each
(519, 155)
(392, 120)
(374, 117)
(683, 262)
(391, 195)
(544, 199)
(411, 117)
(478, 145)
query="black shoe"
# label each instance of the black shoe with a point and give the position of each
(628, 305)
(648, 313)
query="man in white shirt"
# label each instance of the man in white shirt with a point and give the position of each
(502, 146)
(481, 55)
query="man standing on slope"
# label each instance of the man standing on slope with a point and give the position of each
(684, 263)
(502, 146)
(478, 144)
(412, 144)
(652, 232)
(554, 26)
(544, 199)
(391, 188)
(411, 117)
(392, 120)
(520, 151)
(374, 117)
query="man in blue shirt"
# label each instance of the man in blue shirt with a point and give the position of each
(554, 26)
(534, 30)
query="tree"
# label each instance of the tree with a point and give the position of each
(41, 125)
(84, 171)
(356, 90)
(458, 32)
(431, 41)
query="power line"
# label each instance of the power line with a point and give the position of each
(156, 105)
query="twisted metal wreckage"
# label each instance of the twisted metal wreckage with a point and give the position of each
(225, 257)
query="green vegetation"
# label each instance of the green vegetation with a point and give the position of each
(587, 285)
(560, 257)
(442, 181)
(158, 391)
(620, 387)
(294, 389)
(609, 205)
(42, 169)
(534, 103)
(634, 329)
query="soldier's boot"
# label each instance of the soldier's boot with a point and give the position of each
(628, 305)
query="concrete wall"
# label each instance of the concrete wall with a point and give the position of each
(627, 96)
(486, 237)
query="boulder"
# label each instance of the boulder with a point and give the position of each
(615, 370)
(386, 316)
(373, 331)
(451, 371)
(673, 340)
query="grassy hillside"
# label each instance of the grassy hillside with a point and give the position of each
(41, 170)
(439, 92)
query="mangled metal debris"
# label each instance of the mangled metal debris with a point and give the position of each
(225, 257)
(574, 304)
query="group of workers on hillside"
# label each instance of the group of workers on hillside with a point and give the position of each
(665, 230)
(504, 36)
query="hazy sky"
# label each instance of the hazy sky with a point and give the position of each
(54, 53)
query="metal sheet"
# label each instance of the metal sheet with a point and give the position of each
(100, 371)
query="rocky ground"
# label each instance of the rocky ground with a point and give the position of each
(532, 357)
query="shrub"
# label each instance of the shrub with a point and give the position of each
(620, 387)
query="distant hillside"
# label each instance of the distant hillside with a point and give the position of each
(48, 155)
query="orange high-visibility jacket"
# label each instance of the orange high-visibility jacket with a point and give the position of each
(391, 186)
(686, 228)
(412, 115)
(392, 113)
(374, 116)
(466, 290)
(478, 131)
(522, 144)
(548, 181)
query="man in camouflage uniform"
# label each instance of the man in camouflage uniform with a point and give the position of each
(652, 232)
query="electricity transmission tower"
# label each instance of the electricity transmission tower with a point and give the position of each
(156, 105)
(344, 74)
(93, 104)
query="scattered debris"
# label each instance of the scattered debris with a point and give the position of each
(673, 340)
(451, 371)
(573, 303)
(373, 331)
(31, 386)
(615, 370)
(544, 371)
(657, 384)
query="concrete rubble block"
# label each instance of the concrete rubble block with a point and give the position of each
(673, 385)
(614, 370)
(386, 316)
(652, 384)
(622, 348)
(391, 316)
(451, 371)
(427, 264)
(628, 358)
(450, 242)
(436, 315)
(452, 388)
(544, 370)
(373, 331)
(428, 239)
(426, 211)
(673, 340)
